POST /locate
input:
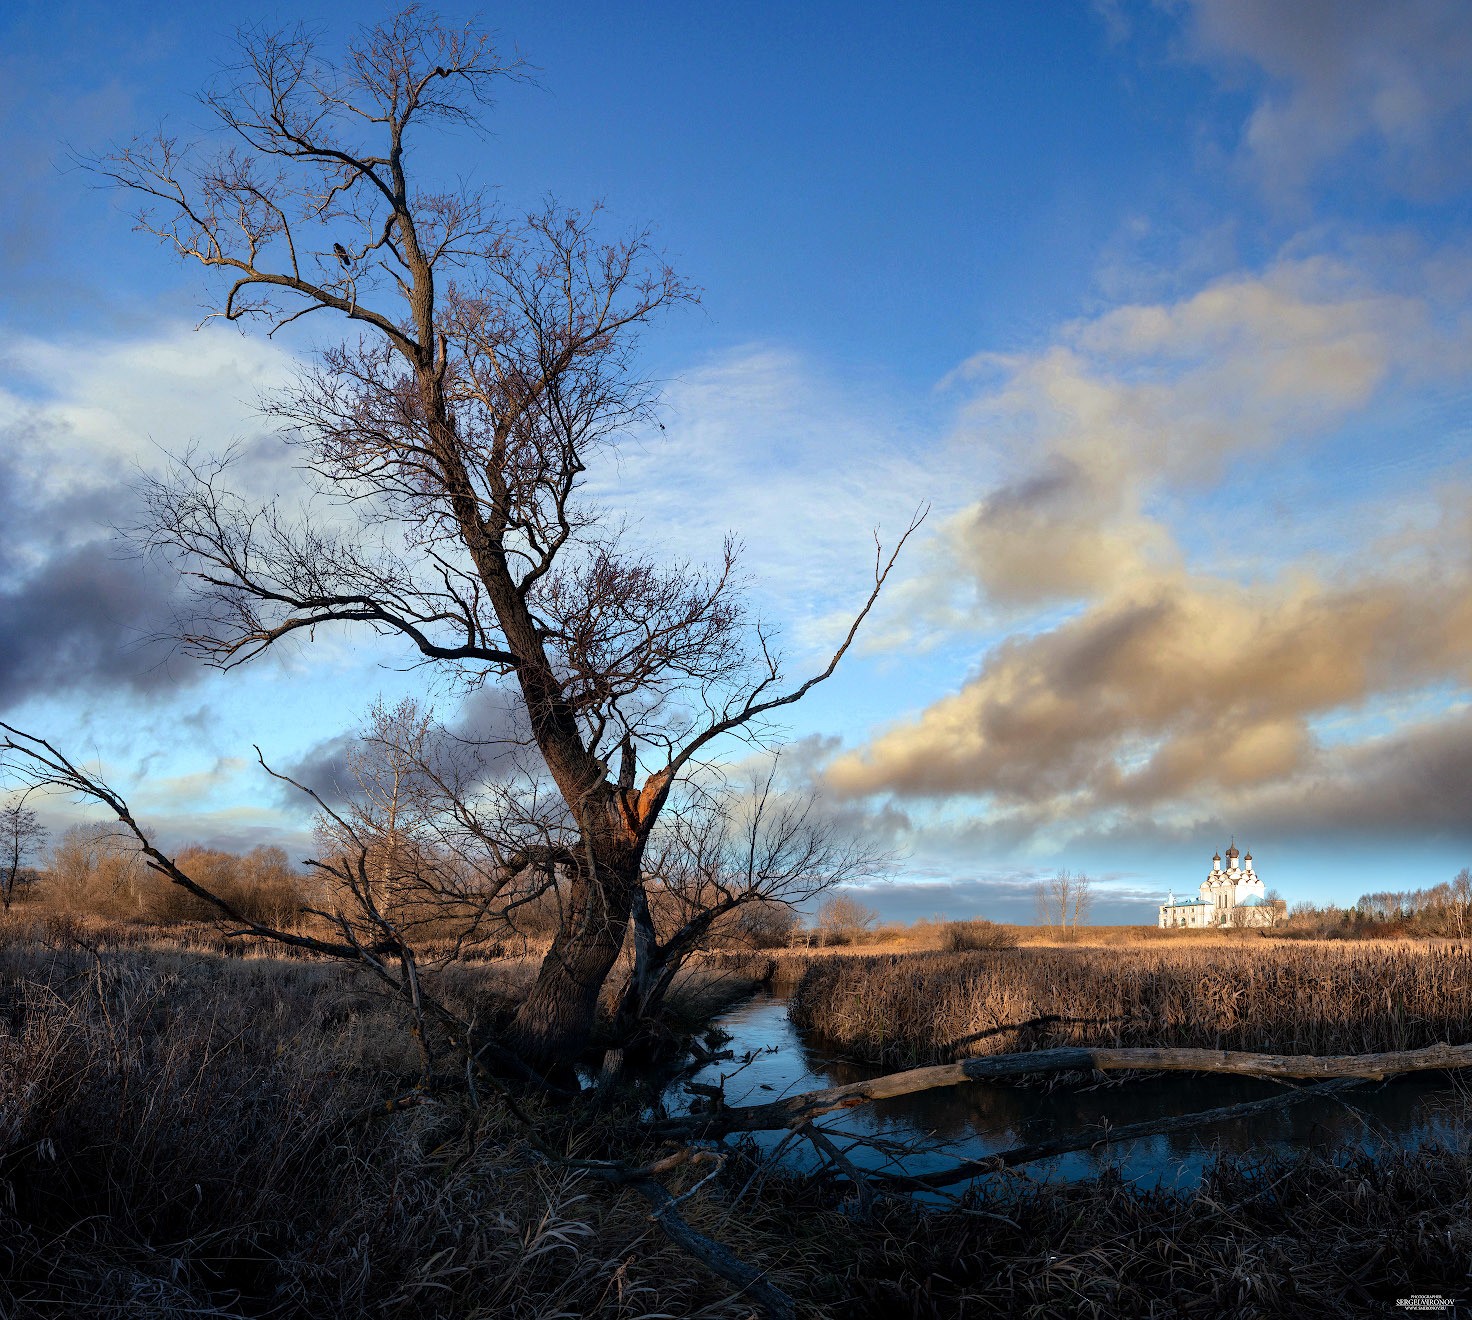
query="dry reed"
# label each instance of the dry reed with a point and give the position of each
(1315, 1236)
(903, 1010)
(175, 1139)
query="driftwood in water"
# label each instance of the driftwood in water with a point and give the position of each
(1151, 1127)
(795, 1110)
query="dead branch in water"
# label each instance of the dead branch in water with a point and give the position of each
(1043, 1150)
(795, 1110)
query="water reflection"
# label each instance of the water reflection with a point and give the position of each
(966, 1122)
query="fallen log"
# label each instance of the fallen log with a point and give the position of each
(793, 1111)
(771, 1301)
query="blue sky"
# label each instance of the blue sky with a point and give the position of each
(1165, 309)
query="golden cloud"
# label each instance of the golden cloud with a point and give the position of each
(1144, 399)
(1177, 687)
(1169, 689)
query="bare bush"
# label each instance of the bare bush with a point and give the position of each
(100, 870)
(766, 925)
(960, 936)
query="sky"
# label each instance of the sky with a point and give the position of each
(1164, 310)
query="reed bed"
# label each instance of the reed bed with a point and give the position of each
(904, 1010)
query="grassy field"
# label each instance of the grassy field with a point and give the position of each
(189, 1133)
(936, 936)
(904, 1009)
(186, 1133)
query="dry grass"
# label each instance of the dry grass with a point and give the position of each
(178, 1137)
(899, 1010)
(181, 1134)
(934, 936)
(1311, 1237)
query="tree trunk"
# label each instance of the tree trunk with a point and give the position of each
(555, 1020)
(645, 967)
(655, 966)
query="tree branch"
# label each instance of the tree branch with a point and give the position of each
(1108, 1136)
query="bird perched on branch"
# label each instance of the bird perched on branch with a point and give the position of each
(342, 255)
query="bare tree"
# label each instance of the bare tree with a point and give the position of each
(1064, 900)
(95, 866)
(420, 850)
(427, 855)
(447, 447)
(718, 855)
(1461, 900)
(1277, 907)
(21, 837)
(843, 918)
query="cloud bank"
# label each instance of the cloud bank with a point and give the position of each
(80, 610)
(1165, 655)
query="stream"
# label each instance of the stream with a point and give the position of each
(966, 1122)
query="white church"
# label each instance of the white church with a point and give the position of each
(1230, 896)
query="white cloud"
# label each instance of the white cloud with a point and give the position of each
(761, 444)
(108, 404)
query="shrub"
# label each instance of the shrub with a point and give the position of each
(765, 925)
(842, 919)
(959, 936)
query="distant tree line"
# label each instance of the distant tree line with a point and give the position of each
(1442, 910)
(97, 870)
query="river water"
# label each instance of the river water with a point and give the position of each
(976, 1119)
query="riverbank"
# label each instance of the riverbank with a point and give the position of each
(185, 1134)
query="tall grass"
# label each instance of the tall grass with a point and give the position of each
(1313, 1236)
(901, 1010)
(183, 1134)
